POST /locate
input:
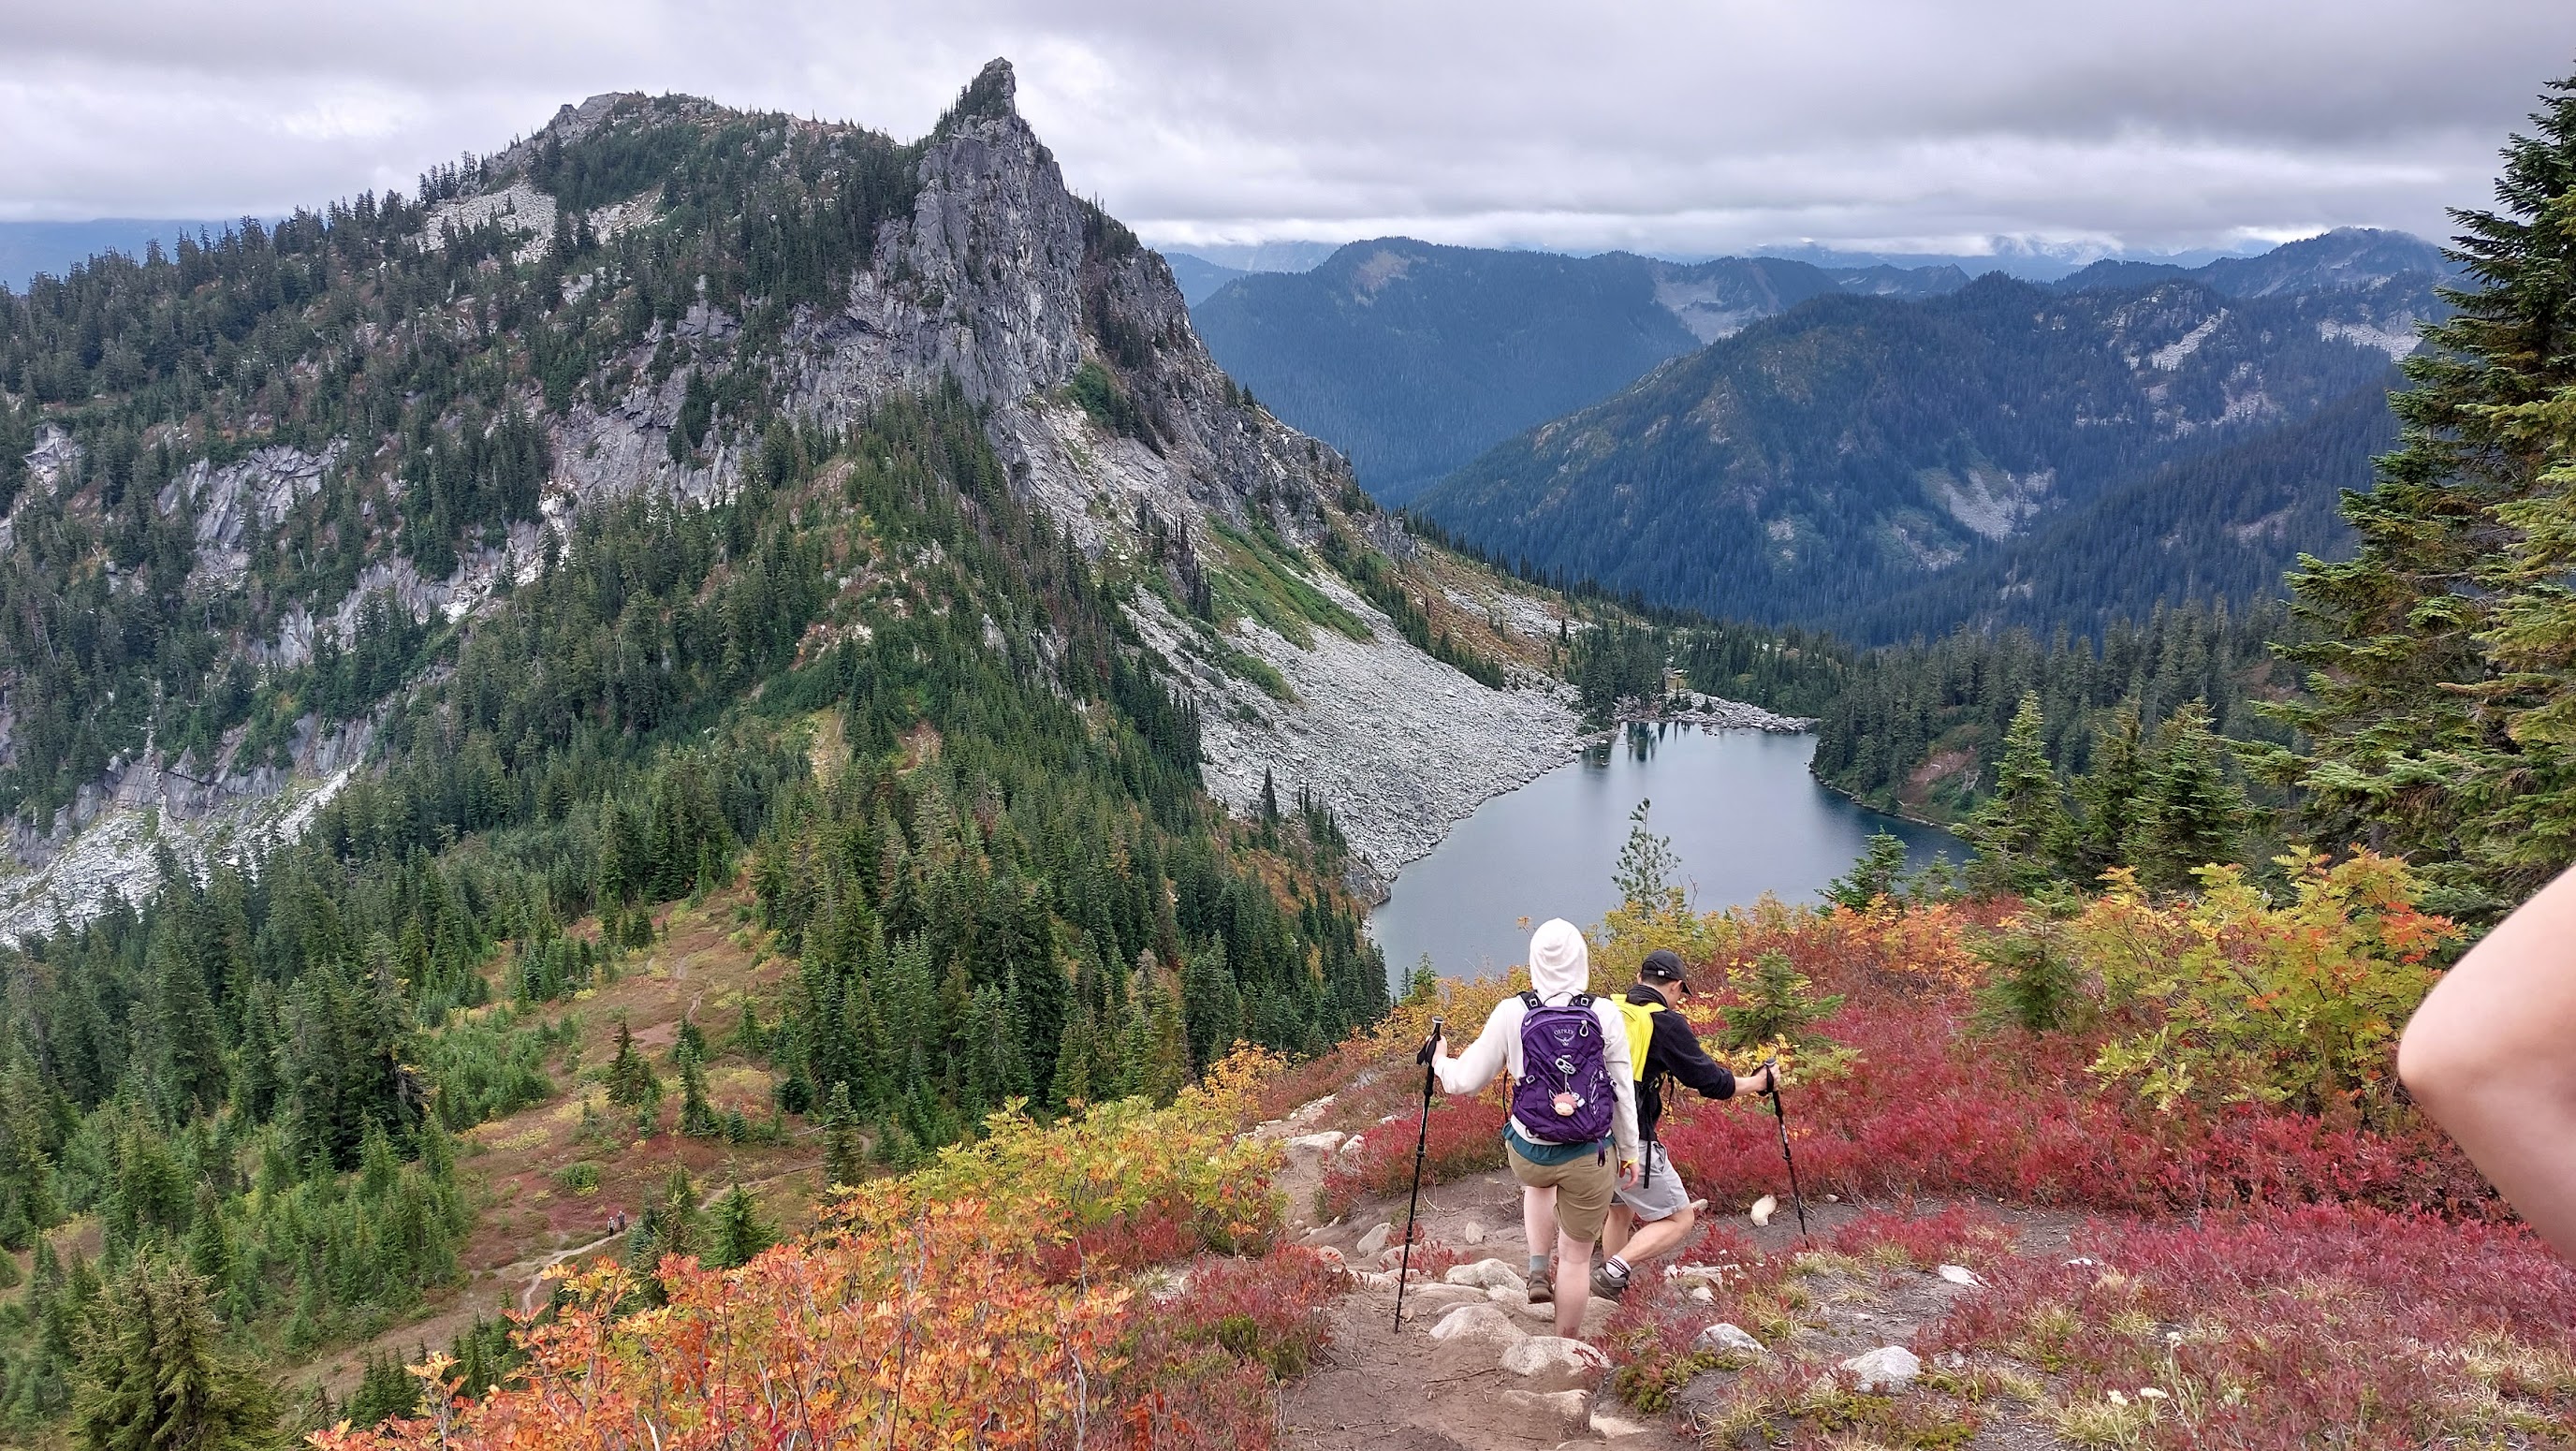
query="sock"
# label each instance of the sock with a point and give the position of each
(1538, 1267)
(1616, 1267)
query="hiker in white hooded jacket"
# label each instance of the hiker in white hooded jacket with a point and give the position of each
(1566, 1187)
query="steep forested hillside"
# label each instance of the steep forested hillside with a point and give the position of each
(1818, 464)
(2216, 526)
(1414, 358)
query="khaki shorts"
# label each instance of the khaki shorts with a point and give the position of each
(1583, 1187)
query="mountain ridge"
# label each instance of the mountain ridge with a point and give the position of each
(1415, 356)
(1812, 466)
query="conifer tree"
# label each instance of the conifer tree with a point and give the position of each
(2107, 800)
(631, 1082)
(2438, 653)
(843, 1160)
(1778, 1002)
(1646, 869)
(1879, 872)
(2191, 814)
(738, 1232)
(154, 1374)
(670, 1224)
(697, 1117)
(2027, 811)
(1071, 1084)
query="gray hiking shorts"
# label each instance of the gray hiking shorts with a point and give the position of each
(1658, 1192)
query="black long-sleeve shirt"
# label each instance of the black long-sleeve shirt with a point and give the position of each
(1674, 1051)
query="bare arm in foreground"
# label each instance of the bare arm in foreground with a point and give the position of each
(2491, 1055)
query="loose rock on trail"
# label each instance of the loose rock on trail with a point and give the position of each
(1476, 1367)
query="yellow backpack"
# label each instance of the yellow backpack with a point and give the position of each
(1640, 1018)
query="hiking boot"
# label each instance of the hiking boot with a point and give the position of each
(1542, 1291)
(1607, 1284)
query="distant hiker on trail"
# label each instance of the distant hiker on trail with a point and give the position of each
(1661, 1045)
(1573, 1101)
(2491, 1055)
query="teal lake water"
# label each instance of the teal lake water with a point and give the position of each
(1744, 817)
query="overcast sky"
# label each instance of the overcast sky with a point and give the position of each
(1661, 125)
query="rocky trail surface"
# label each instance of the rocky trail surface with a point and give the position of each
(1475, 1367)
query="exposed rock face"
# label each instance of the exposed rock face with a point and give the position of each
(101, 847)
(255, 491)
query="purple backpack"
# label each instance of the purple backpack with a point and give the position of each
(1564, 1096)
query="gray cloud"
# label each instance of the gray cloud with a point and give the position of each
(1674, 125)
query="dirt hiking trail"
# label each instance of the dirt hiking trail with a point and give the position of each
(1482, 1389)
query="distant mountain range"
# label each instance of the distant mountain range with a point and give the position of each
(1415, 358)
(2007, 452)
(1198, 277)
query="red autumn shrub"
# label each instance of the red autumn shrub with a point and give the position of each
(1933, 1106)
(1464, 1136)
(2299, 1326)
(1200, 1368)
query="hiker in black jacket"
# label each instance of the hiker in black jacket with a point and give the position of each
(1654, 1215)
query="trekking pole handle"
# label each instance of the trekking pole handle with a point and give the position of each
(1772, 1063)
(1431, 1044)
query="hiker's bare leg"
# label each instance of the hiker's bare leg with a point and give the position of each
(1538, 1218)
(2491, 1055)
(1654, 1238)
(1614, 1230)
(1573, 1283)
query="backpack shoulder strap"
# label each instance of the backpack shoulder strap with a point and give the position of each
(1579, 1000)
(1530, 1001)
(1640, 1023)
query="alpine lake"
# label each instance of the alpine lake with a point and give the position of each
(1742, 813)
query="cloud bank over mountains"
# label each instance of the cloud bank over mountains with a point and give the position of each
(1674, 126)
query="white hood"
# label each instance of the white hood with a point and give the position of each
(1559, 963)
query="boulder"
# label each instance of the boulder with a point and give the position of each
(1471, 1233)
(1558, 1415)
(1888, 1368)
(1375, 1240)
(1477, 1322)
(1729, 1340)
(1433, 1301)
(1540, 1310)
(1703, 1294)
(1553, 1363)
(1329, 1255)
(1960, 1275)
(1323, 1143)
(1762, 1210)
(1456, 1360)
(1490, 1275)
(1612, 1428)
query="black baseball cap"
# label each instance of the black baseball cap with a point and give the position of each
(1663, 965)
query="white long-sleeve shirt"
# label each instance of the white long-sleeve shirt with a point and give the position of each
(1498, 1048)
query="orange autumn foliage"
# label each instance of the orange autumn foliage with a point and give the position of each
(936, 1336)
(980, 1302)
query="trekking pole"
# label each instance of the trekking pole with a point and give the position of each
(1781, 1115)
(1421, 1139)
